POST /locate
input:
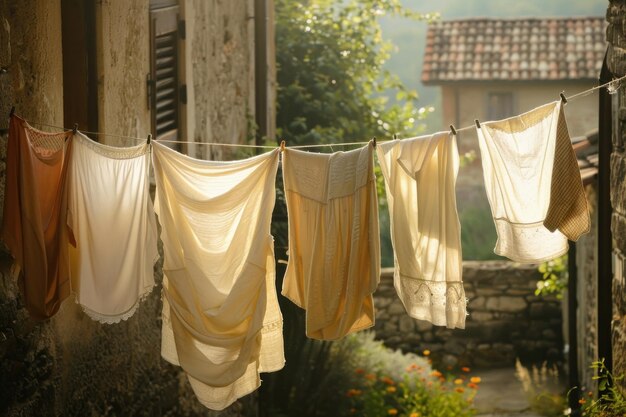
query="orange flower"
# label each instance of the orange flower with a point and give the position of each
(449, 367)
(371, 377)
(459, 389)
(392, 411)
(465, 369)
(359, 371)
(475, 379)
(426, 352)
(436, 373)
(472, 385)
(590, 394)
(387, 380)
(430, 383)
(413, 367)
(391, 389)
(352, 410)
(414, 415)
(353, 393)
(582, 401)
(458, 381)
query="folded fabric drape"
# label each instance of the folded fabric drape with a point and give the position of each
(334, 243)
(33, 223)
(112, 219)
(221, 320)
(533, 184)
(420, 177)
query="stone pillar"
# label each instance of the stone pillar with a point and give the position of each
(616, 59)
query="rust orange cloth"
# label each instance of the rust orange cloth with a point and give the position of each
(34, 218)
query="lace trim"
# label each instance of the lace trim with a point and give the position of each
(113, 152)
(443, 302)
(107, 319)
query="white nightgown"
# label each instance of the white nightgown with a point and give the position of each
(112, 219)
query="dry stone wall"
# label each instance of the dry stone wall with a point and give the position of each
(506, 320)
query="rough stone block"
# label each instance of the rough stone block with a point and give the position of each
(396, 308)
(481, 316)
(423, 326)
(407, 324)
(618, 186)
(477, 303)
(619, 346)
(506, 303)
(544, 310)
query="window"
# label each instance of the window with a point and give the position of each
(164, 88)
(499, 106)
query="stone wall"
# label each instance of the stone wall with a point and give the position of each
(506, 320)
(616, 59)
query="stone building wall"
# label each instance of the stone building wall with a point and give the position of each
(616, 59)
(506, 320)
(70, 365)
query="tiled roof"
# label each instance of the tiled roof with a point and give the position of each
(525, 49)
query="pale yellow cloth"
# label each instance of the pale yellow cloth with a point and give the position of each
(221, 320)
(334, 243)
(532, 181)
(420, 176)
(112, 219)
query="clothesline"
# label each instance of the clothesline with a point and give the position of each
(613, 86)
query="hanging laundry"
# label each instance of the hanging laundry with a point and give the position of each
(221, 320)
(420, 176)
(533, 184)
(33, 224)
(112, 219)
(334, 242)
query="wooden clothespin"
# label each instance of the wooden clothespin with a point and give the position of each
(149, 138)
(452, 130)
(477, 123)
(563, 99)
(374, 142)
(12, 112)
(282, 146)
(75, 128)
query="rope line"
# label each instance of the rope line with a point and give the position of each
(613, 85)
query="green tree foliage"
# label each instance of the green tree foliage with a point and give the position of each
(330, 58)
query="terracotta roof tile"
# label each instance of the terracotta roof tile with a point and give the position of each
(524, 49)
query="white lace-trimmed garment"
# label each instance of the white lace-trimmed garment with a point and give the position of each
(334, 242)
(112, 219)
(533, 184)
(221, 320)
(420, 177)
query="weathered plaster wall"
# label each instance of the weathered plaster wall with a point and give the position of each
(220, 74)
(71, 365)
(616, 36)
(122, 39)
(506, 320)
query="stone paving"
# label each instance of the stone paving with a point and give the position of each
(501, 395)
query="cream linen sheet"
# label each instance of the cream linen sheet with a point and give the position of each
(533, 184)
(420, 177)
(221, 320)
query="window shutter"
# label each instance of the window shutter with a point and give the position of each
(164, 96)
